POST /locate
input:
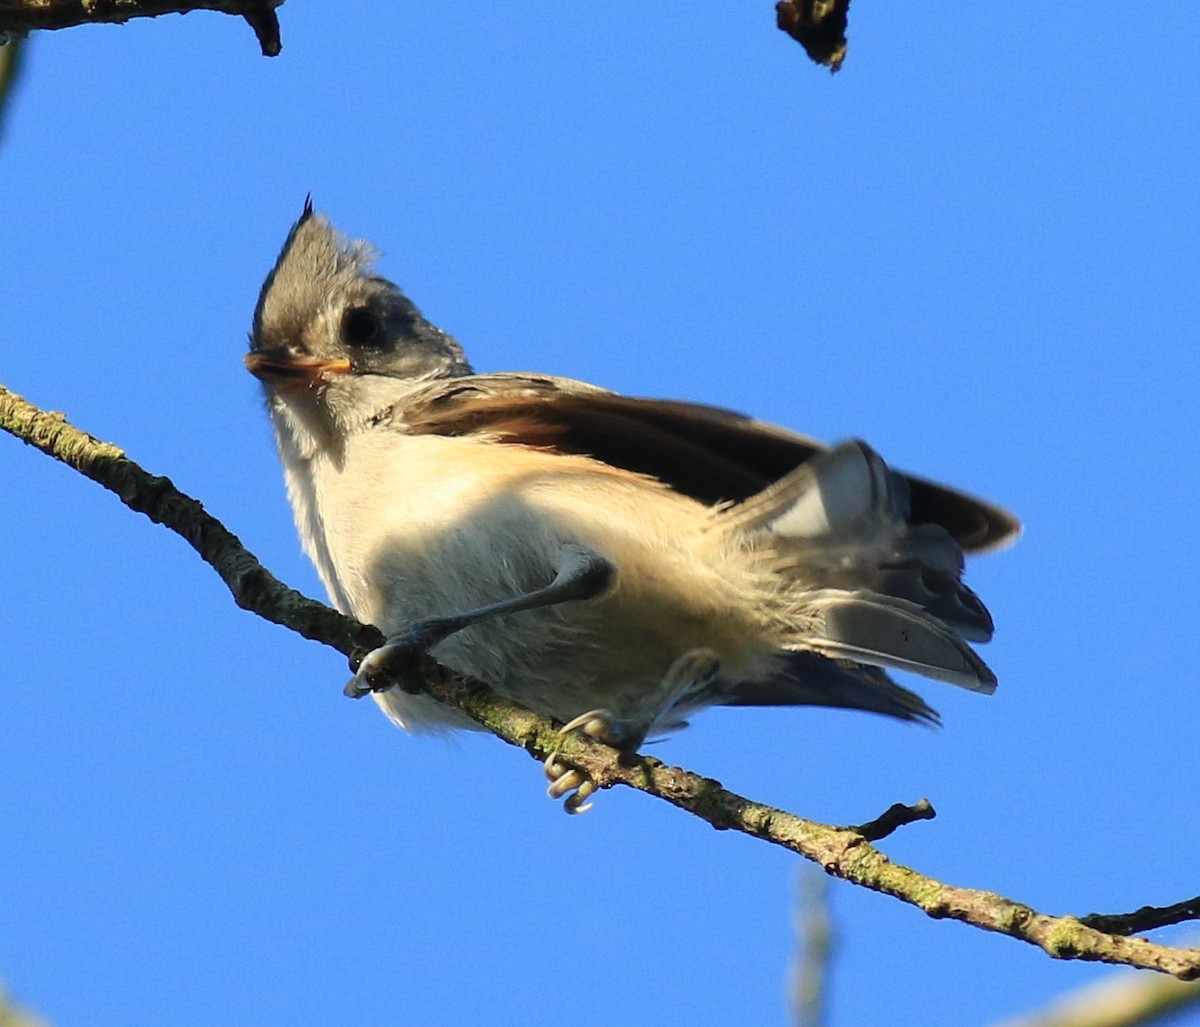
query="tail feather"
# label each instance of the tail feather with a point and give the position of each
(889, 632)
(809, 679)
(845, 492)
(922, 566)
(946, 598)
(864, 584)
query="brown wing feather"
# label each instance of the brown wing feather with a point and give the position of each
(710, 454)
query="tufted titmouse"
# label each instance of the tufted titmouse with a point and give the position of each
(610, 562)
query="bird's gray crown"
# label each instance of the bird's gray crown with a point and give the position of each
(323, 299)
(315, 263)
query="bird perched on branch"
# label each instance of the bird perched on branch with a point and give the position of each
(614, 563)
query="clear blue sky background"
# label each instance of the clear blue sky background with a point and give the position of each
(976, 247)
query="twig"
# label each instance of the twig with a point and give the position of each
(895, 817)
(817, 25)
(20, 16)
(1145, 919)
(840, 851)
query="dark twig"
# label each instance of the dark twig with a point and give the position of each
(1145, 919)
(20, 16)
(262, 19)
(894, 818)
(817, 25)
(840, 851)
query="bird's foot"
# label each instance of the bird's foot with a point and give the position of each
(626, 729)
(396, 662)
(566, 781)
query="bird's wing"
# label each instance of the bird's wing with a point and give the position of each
(710, 454)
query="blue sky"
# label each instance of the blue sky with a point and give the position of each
(975, 248)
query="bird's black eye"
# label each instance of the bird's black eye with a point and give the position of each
(360, 327)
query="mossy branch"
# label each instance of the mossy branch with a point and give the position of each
(844, 852)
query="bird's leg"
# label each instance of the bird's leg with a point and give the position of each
(626, 724)
(581, 574)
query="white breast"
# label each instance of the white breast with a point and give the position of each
(407, 527)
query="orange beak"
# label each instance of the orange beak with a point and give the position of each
(280, 366)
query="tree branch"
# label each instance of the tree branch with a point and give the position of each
(844, 852)
(254, 588)
(20, 16)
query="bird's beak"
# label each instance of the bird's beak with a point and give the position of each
(281, 365)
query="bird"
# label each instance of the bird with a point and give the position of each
(617, 564)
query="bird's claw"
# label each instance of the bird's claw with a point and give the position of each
(693, 671)
(396, 662)
(574, 784)
(604, 726)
